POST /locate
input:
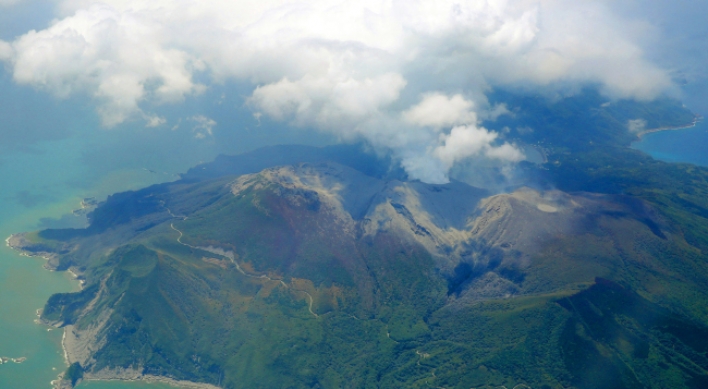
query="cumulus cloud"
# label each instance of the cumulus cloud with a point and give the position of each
(114, 56)
(348, 68)
(467, 141)
(438, 110)
(328, 101)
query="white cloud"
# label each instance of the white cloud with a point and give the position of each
(327, 101)
(438, 110)
(153, 121)
(496, 111)
(636, 125)
(341, 67)
(203, 126)
(505, 152)
(119, 58)
(468, 140)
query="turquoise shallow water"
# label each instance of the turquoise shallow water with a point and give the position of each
(44, 183)
(53, 153)
(40, 187)
(686, 145)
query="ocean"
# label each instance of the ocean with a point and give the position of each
(688, 145)
(43, 182)
(53, 154)
(41, 185)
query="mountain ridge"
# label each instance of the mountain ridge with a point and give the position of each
(486, 259)
(331, 274)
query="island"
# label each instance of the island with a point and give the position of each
(306, 267)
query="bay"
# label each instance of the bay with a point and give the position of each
(40, 187)
(688, 145)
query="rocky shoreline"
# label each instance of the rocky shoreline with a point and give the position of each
(77, 346)
(25, 248)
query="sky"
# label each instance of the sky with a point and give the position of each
(408, 77)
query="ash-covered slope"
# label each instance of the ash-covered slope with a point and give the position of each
(322, 275)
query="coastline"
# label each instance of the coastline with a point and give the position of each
(161, 380)
(19, 243)
(22, 246)
(130, 375)
(696, 120)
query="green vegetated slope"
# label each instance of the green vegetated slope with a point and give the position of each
(191, 314)
(262, 283)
